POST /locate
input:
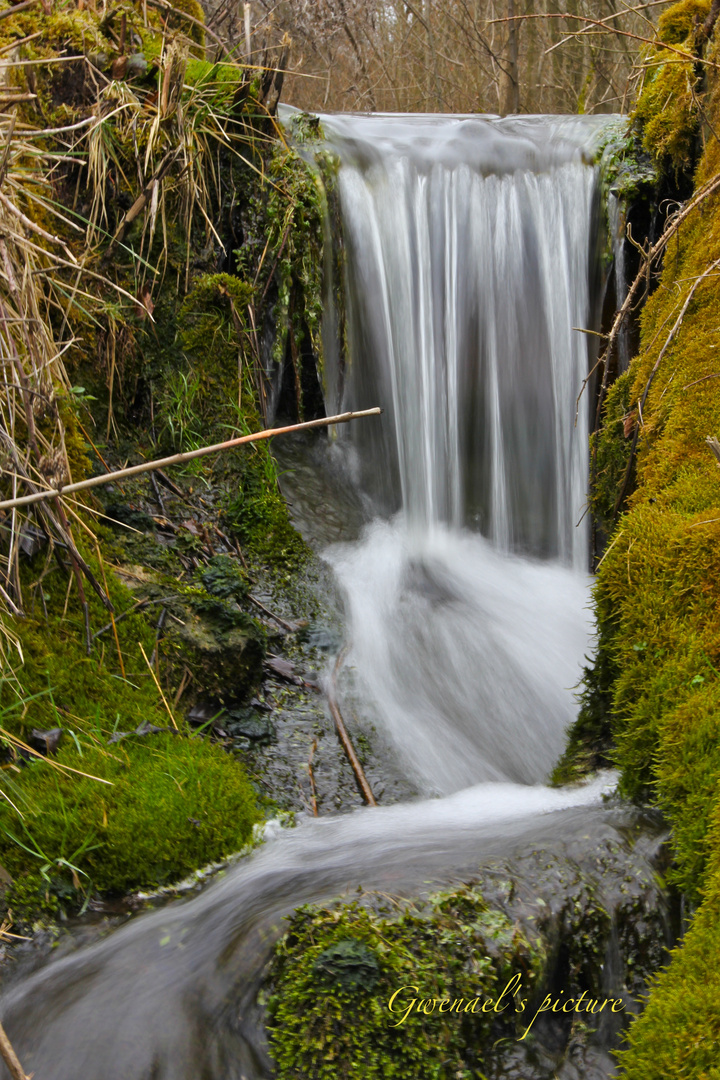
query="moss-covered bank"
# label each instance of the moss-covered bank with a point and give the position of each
(175, 289)
(652, 698)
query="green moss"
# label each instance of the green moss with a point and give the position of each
(626, 169)
(173, 804)
(195, 9)
(337, 968)
(677, 23)
(258, 515)
(657, 597)
(668, 112)
(678, 1034)
(610, 451)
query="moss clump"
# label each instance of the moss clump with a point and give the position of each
(677, 23)
(678, 1034)
(175, 803)
(258, 515)
(610, 451)
(337, 968)
(668, 112)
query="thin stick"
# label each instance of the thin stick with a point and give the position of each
(161, 5)
(158, 685)
(311, 774)
(9, 1056)
(347, 745)
(16, 10)
(290, 627)
(187, 455)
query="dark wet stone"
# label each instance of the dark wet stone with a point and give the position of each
(249, 723)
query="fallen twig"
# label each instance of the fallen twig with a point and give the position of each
(362, 781)
(311, 774)
(290, 627)
(9, 737)
(9, 1056)
(17, 8)
(187, 455)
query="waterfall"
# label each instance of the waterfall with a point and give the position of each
(469, 246)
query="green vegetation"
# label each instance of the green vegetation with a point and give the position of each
(75, 830)
(337, 968)
(174, 801)
(651, 701)
(679, 22)
(678, 1034)
(170, 191)
(668, 110)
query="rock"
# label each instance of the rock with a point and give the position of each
(47, 741)
(221, 645)
(250, 724)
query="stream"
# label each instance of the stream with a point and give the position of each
(462, 558)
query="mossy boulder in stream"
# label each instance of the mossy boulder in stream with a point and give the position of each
(453, 984)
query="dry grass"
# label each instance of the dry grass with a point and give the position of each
(164, 148)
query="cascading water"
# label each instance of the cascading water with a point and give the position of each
(469, 244)
(468, 260)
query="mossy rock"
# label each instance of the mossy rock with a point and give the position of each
(172, 804)
(337, 968)
(220, 645)
(668, 113)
